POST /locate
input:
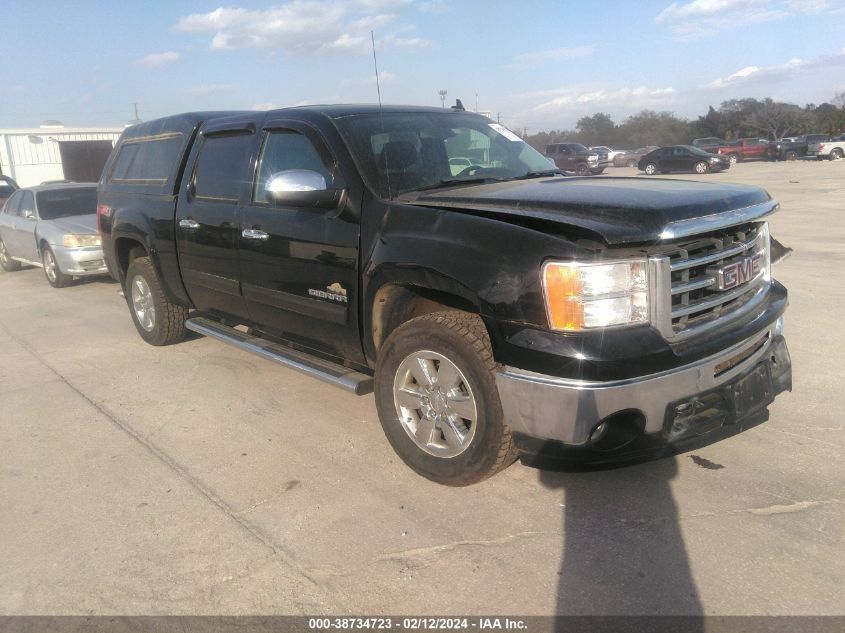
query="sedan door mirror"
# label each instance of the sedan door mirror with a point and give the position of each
(28, 214)
(301, 188)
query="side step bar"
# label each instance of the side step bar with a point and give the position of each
(337, 375)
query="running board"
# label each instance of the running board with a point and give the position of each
(337, 375)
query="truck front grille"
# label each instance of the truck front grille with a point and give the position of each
(711, 278)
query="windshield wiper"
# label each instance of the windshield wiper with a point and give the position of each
(446, 182)
(539, 174)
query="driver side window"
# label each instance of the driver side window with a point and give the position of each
(284, 151)
(27, 205)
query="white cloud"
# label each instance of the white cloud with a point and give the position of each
(553, 54)
(303, 26)
(435, 7)
(699, 19)
(155, 60)
(779, 72)
(641, 95)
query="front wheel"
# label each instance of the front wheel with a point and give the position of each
(437, 400)
(733, 158)
(836, 154)
(791, 155)
(158, 321)
(6, 262)
(582, 170)
(701, 167)
(650, 169)
(54, 274)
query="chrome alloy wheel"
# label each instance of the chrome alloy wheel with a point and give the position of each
(650, 169)
(435, 404)
(701, 167)
(49, 265)
(4, 255)
(142, 303)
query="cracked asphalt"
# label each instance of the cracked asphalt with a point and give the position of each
(198, 479)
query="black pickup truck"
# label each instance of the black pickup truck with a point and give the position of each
(503, 311)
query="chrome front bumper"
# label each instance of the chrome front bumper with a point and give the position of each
(567, 411)
(81, 262)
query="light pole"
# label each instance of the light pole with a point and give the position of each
(442, 94)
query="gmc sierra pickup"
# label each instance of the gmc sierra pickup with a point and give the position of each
(503, 311)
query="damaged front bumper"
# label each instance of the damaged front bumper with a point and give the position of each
(607, 421)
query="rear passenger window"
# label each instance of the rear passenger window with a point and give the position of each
(221, 162)
(150, 160)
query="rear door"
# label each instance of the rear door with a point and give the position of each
(207, 216)
(299, 265)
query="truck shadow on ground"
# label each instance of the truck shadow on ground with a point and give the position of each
(624, 551)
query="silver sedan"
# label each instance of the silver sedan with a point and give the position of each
(54, 227)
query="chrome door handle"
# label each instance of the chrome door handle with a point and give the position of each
(254, 234)
(189, 224)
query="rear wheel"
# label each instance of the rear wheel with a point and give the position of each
(437, 399)
(734, 159)
(650, 169)
(158, 321)
(791, 155)
(701, 167)
(6, 262)
(54, 274)
(836, 154)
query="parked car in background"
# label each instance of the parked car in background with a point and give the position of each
(834, 149)
(54, 227)
(574, 157)
(708, 143)
(784, 149)
(7, 188)
(745, 149)
(682, 158)
(632, 157)
(606, 155)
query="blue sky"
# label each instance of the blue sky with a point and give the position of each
(542, 65)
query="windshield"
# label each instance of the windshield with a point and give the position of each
(408, 151)
(64, 203)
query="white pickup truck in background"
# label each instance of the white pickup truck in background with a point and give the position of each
(834, 149)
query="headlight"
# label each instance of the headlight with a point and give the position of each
(583, 296)
(77, 241)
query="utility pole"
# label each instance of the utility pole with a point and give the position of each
(442, 94)
(498, 117)
(137, 118)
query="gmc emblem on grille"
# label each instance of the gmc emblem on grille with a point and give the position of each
(737, 272)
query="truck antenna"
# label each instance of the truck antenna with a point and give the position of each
(381, 115)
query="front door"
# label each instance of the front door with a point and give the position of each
(207, 219)
(23, 231)
(299, 266)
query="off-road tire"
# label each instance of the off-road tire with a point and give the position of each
(836, 153)
(6, 262)
(462, 338)
(582, 169)
(169, 326)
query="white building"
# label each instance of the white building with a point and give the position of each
(54, 152)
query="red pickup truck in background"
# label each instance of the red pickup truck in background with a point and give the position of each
(745, 149)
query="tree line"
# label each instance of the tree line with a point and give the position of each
(735, 118)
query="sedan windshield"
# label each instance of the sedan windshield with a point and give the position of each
(64, 203)
(409, 151)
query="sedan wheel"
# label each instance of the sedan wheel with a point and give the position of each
(701, 167)
(54, 274)
(650, 169)
(6, 262)
(733, 158)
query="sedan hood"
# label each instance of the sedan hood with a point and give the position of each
(619, 210)
(78, 224)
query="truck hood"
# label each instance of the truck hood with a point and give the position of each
(619, 210)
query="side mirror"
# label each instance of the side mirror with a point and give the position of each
(301, 188)
(28, 214)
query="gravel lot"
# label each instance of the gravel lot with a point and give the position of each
(198, 479)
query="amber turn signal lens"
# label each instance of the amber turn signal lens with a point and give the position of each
(563, 295)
